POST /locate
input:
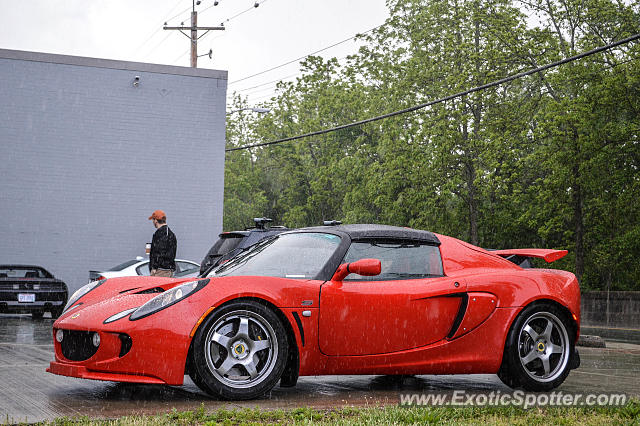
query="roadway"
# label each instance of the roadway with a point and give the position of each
(29, 394)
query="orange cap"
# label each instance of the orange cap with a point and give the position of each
(158, 215)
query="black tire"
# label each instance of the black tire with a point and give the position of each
(37, 315)
(538, 350)
(239, 352)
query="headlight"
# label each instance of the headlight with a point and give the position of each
(81, 292)
(168, 298)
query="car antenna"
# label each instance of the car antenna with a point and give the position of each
(332, 222)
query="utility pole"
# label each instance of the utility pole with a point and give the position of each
(194, 33)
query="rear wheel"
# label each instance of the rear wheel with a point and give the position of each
(239, 352)
(538, 349)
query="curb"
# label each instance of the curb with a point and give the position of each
(588, 341)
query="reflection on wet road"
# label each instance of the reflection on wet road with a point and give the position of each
(28, 393)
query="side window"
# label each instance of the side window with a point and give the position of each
(143, 269)
(401, 260)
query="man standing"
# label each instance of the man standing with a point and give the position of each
(162, 259)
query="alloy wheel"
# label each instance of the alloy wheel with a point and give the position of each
(241, 349)
(543, 346)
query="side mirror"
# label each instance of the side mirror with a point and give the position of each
(367, 267)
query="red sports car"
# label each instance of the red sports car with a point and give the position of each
(348, 299)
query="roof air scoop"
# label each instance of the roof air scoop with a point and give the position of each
(261, 222)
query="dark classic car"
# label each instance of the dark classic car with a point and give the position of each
(31, 289)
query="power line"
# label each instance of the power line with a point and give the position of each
(158, 29)
(302, 57)
(246, 90)
(181, 56)
(153, 49)
(267, 83)
(256, 4)
(178, 14)
(447, 98)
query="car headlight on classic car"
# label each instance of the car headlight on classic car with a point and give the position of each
(168, 298)
(81, 292)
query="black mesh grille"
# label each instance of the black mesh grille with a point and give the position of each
(77, 345)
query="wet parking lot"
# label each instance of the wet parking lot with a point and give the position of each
(29, 394)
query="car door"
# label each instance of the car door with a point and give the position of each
(410, 304)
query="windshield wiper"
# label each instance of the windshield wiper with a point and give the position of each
(243, 257)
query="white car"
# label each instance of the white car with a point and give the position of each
(139, 266)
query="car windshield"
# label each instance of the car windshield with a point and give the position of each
(300, 255)
(226, 243)
(21, 272)
(124, 265)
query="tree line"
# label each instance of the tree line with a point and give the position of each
(550, 160)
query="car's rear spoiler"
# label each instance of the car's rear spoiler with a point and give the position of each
(547, 254)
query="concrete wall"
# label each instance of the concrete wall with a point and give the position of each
(86, 156)
(615, 309)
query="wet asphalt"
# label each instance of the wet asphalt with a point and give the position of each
(29, 394)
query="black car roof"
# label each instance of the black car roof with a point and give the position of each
(254, 237)
(234, 234)
(17, 266)
(268, 231)
(361, 231)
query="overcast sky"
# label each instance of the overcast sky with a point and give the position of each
(261, 38)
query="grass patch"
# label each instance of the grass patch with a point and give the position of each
(605, 415)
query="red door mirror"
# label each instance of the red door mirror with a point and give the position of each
(367, 267)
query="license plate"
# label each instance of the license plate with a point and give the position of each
(26, 297)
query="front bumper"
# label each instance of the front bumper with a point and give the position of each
(150, 358)
(151, 350)
(70, 370)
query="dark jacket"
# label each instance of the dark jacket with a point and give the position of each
(163, 249)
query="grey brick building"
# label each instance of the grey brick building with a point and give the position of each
(88, 152)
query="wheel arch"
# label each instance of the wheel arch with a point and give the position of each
(542, 301)
(564, 309)
(292, 365)
(505, 372)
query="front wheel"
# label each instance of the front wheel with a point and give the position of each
(538, 349)
(239, 352)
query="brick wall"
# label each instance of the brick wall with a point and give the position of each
(85, 157)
